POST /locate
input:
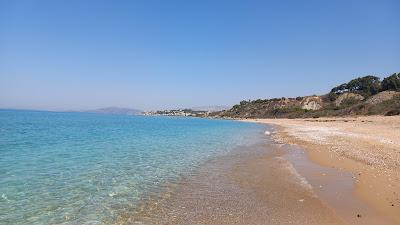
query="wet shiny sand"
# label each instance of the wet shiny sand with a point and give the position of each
(267, 183)
(256, 185)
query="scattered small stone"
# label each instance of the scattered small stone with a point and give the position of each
(358, 215)
(392, 204)
(301, 200)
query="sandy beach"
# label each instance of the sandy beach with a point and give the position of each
(368, 147)
(255, 185)
(306, 171)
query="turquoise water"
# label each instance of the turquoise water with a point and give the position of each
(81, 168)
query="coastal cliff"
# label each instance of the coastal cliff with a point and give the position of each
(366, 95)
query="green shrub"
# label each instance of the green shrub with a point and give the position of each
(367, 86)
(391, 82)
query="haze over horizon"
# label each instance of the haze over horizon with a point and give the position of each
(81, 55)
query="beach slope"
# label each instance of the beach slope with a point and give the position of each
(369, 147)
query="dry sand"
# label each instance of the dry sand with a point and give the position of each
(352, 178)
(369, 147)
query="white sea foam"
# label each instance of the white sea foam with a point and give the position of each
(267, 132)
(4, 196)
(300, 179)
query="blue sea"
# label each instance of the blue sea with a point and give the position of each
(83, 168)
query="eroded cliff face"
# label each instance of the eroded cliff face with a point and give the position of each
(366, 95)
(345, 104)
(311, 103)
(348, 98)
(271, 108)
(382, 96)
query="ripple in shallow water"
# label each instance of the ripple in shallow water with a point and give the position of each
(86, 168)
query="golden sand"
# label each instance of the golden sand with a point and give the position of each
(352, 178)
(369, 147)
(257, 189)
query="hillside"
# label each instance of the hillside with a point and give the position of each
(361, 96)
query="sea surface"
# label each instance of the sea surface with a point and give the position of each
(83, 168)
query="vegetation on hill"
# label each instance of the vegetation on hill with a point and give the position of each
(391, 82)
(366, 95)
(366, 86)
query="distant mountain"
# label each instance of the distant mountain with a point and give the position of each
(212, 108)
(116, 110)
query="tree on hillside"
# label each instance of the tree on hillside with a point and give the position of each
(368, 85)
(391, 82)
(244, 102)
(340, 89)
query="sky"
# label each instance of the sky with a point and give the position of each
(83, 54)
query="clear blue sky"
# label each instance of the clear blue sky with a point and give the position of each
(62, 55)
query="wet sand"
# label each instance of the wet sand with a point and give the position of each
(368, 147)
(267, 183)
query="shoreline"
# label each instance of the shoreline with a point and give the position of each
(367, 147)
(265, 184)
(253, 185)
(297, 176)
